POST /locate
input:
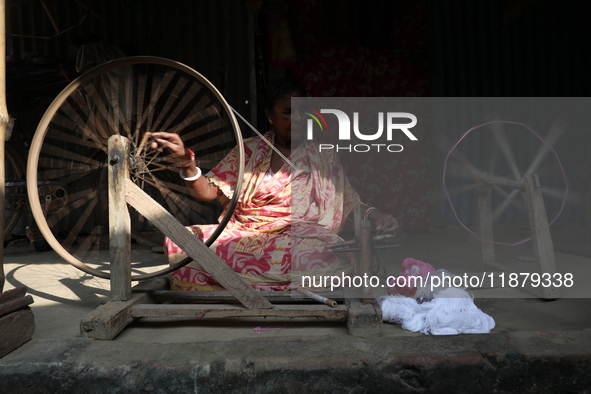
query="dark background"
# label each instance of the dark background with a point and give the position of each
(394, 48)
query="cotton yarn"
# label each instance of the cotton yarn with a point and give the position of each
(451, 311)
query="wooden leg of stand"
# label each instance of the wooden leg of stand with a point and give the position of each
(365, 318)
(366, 256)
(119, 221)
(483, 195)
(541, 238)
(589, 215)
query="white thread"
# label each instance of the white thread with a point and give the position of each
(266, 140)
(368, 211)
(451, 311)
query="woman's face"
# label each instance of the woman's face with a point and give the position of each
(287, 122)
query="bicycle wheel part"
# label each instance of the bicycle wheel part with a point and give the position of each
(15, 190)
(67, 167)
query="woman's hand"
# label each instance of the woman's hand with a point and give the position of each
(172, 142)
(385, 223)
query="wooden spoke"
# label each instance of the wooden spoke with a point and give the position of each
(57, 151)
(70, 138)
(141, 94)
(510, 199)
(67, 167)
(467, 165)
(555, 133)
(100, 102)
(457, 190)
(156, 164)
(462, 189)
(91, 241)
(97, 122)
(113, 92)
(492, 165)
(505, 148)
(176, 202)
(74, 121)
(195, 120)
(79, 224)
(206, 122)
(556, 193)
(177, 97)
(500, 209)
(128, 109)
(68, 174)
(75, 203)
(160, 86)
(469, 172)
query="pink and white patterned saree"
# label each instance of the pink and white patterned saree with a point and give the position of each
(282, 222)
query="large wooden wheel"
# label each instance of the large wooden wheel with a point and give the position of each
(67, 167)
(511, 159)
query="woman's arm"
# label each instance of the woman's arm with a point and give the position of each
(200, 188)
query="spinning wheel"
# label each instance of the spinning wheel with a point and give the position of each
(67, 171)
(91, 154)
(503, 171)
(514, 176)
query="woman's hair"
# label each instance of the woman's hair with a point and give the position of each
(282, 87)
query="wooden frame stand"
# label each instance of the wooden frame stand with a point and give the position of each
(541, 238)
(363, 316)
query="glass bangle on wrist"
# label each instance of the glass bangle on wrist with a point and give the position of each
(191, 178)
(368, 211)
(184, 163)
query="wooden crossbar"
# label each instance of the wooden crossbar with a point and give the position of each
(206, 258)
(191, 311)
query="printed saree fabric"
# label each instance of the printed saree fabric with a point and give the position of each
(282, 222)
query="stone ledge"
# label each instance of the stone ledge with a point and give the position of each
(510, 362)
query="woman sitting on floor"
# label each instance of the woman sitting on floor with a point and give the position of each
(285, 216)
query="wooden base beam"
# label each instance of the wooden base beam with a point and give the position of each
(281, 297)
(197, 311)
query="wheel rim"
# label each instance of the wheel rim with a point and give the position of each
(130, 97)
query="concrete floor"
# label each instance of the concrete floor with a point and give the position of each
(229, 355)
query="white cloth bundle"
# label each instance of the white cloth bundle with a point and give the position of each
(451, 311)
